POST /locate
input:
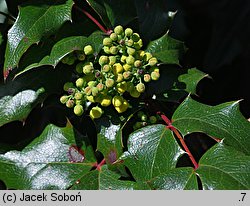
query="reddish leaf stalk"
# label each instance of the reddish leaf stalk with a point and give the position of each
(176, 132)
(98, 166)
(92, 18)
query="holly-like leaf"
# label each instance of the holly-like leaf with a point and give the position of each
(224, 168)
(66, 46)
(20, 96)
(45, 162)
(114, 12)
(17, 107)
(154, 18)
(175, 179)
(167, 49)
(103, 179)
(152, 151)
(110, 141)
(191, 79)
(33, 22)
(223, 121)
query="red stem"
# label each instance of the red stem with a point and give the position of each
(92, 18)
(176, 132)
(98, 167)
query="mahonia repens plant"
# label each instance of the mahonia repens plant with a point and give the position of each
(121, 68)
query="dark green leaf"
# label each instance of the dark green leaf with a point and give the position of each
(152, 151)
(120, 12)
(191, 79)
(18, 97)
(153, 16)
(175, 179)
(114, 12)
(102, 180)
(99, 8)
(32, 24)
(110, 141)
(167, 49)
(66, 46)
(223, 121)
(44, 163)
(223, 168)
(19, 106)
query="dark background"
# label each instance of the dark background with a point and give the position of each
(217, 35)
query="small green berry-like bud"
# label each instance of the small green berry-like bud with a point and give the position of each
(127, 67)
(137, 125)
(123, 58)
(155, 75)
(138, 63)
(135, 37)
(67, 86)
(78, 95)
(106, 49)
(129, 42)
(106, 100)
(78, 110)
(130, 60)
(100, 86)
(88, 90)
(103, 60)
(140, 87)
(71, 60)
(130, 86)
(128, 32)
(121, 87)
(91, 83)
(95, 112)
(79, 67)
(80, 82)
(123, 107)
(88, 68)
(144, 118)
(119, 78)
(64, 99)
(106, 68)
(88, 50)
(109, 83)
(113, 36)
(152, 119)
(140, 114)
(117, 67)
(107, 42)
(130, 51)
(134, 93)
(70, 103)
(127, 75)
(147, 78)
(112, 60)
(95, 91)
(118, 30)
(90, 98)
(113, 50)
(148, 56)
(117, 101)
(80, 55)
(152, 62)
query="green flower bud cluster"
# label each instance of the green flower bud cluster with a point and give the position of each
(120, 70)
(143, 120)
